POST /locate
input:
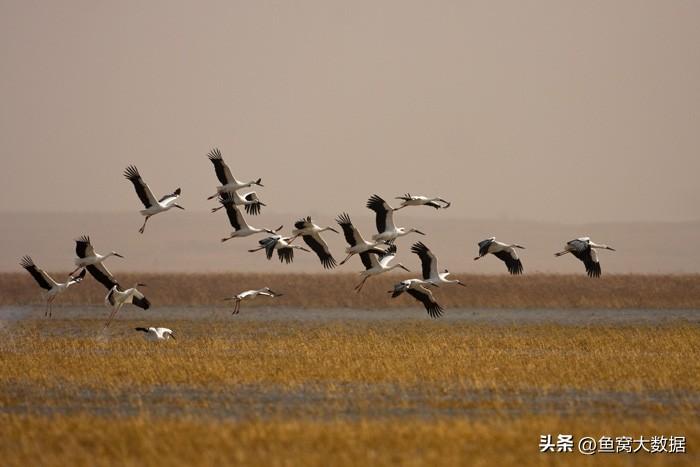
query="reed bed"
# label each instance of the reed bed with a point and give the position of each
(85, 441)
(349, 393)
(335, 290)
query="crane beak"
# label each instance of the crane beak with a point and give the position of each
(141, 285)
(173, 336)
(419, 232)
(333, 230)
(404, 268)
(178, 206)
(611, 248)
(118, 255)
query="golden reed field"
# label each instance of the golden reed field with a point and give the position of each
(336, 290)
(231, 390)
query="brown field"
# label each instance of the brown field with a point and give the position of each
(377, 393)
(335, 290)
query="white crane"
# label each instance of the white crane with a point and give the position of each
(584, 249)
(249, 201)
(149, 201)
(51, 288)
(354, 238)
(503, 251)
(311, 233)
(283, 245)
(157, 334)
(377, 264)
(416, 289)
(117, 298)
(223, 173)
(86, 254)
(386, 228)
(238, 222)
(409, 200)
(249, 295)
(429, 263)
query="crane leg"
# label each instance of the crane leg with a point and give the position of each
(50, 303)
(113, 314)
(143, 227)
(347, 258)
(359, 286)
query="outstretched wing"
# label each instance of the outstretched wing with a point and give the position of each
(484, 246)
(425, 296)
(223, 173)
(387, 255)
(140, 300)
(269, 244)
(320, 247)
(510, 257)
(235, 217)
(352, 235)
(42, 278)
(427, 258)
(302, 224)
(169, 198)
(589, 257)
(285, 254)
(385, 213)
(102, 275)
(142, 190)
(83, 247)
(366, 258)
(254, 208)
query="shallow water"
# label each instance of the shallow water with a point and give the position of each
(575, 317)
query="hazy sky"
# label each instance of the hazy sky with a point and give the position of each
(548, 110)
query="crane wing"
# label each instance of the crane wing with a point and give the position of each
(83, 247)
(320, 247)
(142, 190)
(102, 275)
(254, 208)
(426, 297)
(484, 245)
(427, 258)
(40, 276)
(169, 198)
(387, 255)
(510, 257)
(235, 217)
(140, 300)
(384, 213)
(223, 173)
(352, 235)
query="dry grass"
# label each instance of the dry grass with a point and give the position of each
(335, 290)
(456, 355)
(294, 393)
(82, 440)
